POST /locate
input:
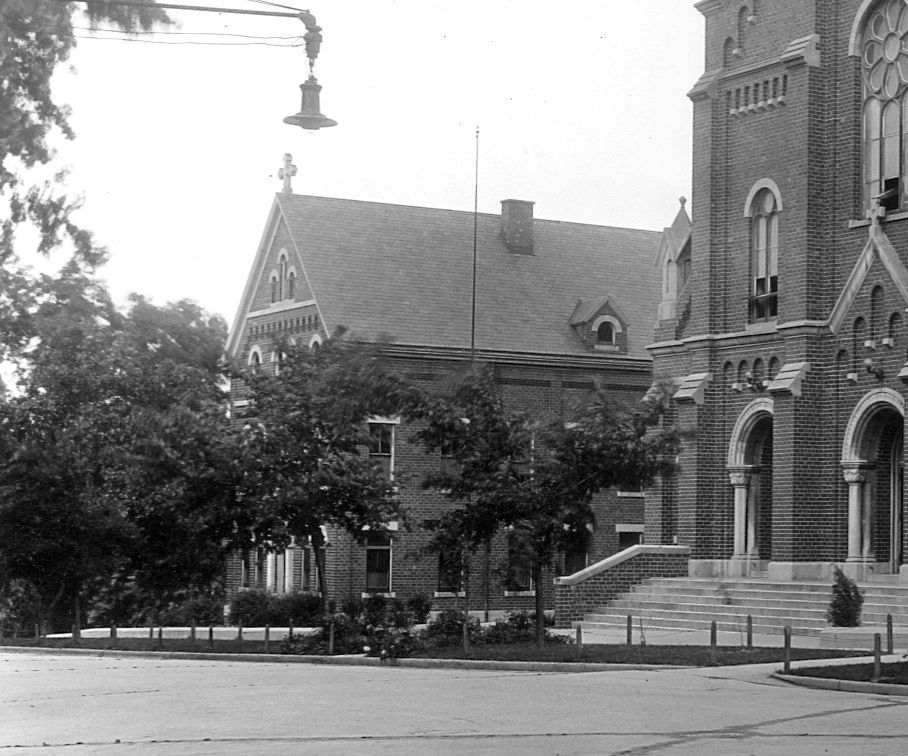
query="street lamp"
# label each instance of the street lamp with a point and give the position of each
(310, 116)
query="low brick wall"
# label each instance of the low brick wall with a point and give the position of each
(578, 594)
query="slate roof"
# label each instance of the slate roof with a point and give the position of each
(407, 272)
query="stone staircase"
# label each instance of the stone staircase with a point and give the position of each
(692, 603)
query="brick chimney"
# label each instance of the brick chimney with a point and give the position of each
(517, 225)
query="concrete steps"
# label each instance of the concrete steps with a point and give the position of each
(693, 603)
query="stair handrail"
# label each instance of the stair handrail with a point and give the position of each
(615, 559)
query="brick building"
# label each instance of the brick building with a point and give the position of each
(782, 316)
(557, 306)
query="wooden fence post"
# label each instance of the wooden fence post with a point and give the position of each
(113, 635)
(160, 637)
(192, 631)
(713, 643)
(877, 651)
(331, 638)
(210, 637)
(750, 632)
(890, 641)
(786, 652)
(267, 637)
(630, 630)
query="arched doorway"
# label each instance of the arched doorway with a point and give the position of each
(873, 466)
(750, 473)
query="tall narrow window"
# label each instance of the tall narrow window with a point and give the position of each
(764, 257)
(291, 285)
(275, 288)
(885, 67)
(378, 562)
(381, 445)
(450, 571)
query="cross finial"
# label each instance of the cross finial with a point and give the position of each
(876, 212)
(287, 172)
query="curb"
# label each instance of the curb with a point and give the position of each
(350, 661)
(845, 686)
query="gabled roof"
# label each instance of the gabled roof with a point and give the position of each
(406, 272)
(675, 237)
(584, 311)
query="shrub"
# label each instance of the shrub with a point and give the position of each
(447, 628)
(518, 627)
(845, 607)
(420, 605)
(348, 637)
(302, 609)
(393, 643)
(251, 608)
(203, 610)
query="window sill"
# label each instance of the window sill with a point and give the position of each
(607, 348)
(519, 593)
(383, 595)
(764, 326)
(630, 494)
(866, 221)
(448, 594)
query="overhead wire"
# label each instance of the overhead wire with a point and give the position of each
(290, 41)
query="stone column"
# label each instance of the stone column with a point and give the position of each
(855, 477)
(740, 479)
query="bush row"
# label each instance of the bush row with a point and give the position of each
(386, 629)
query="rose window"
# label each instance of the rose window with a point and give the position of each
(886, 50)
(885, 113)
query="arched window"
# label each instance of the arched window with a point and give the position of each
(764, 256)
(291, 284)
(275, 288)
(605, 333)
(255, 362)
(884, 58)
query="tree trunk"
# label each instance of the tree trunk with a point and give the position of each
(322, 579)
(488, 581)
(540, 606)
(77, 615)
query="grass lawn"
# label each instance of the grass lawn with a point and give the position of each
(895, 673)
(693, 656)
(147, 644)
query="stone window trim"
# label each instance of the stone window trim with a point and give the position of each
(255, 358)
(881, 46)
(763, 208)
(316, 341)
(616, 329)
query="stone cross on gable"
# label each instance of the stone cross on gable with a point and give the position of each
(287, 172)
(877, 212)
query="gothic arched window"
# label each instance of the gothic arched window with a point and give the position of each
(291, 284)
(764, 256)
(884, 53)
(605, 333)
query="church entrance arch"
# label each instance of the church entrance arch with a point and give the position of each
(749, 466)
(873, 466)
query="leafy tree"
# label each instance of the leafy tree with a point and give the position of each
(36, 36)
(116, 457)
(537, 481)
(304, 465)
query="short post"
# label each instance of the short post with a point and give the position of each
(151, 631)
(290, 631)
(113, 635)
(239, 631)
(267, 637)
(890, 641)
(750, 632)
(877, 652)
(331, 638)
(77, 633)
(160, 637)
(713, 643)
(786, 651)
(192, 631)
(210, 638)
(579, 638)
(466, 633)
(630, 630)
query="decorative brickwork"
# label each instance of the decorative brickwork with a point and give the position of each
(577, 595)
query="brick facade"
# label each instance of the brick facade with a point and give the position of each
(544, 353)
(791, 402)
(577, 596)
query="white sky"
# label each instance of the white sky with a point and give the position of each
(582, 108)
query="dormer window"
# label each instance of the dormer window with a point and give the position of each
(605, 334)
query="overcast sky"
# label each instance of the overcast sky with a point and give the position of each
(582, 108)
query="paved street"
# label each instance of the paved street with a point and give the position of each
(83, 704)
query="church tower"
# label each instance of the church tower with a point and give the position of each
(782, 320)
